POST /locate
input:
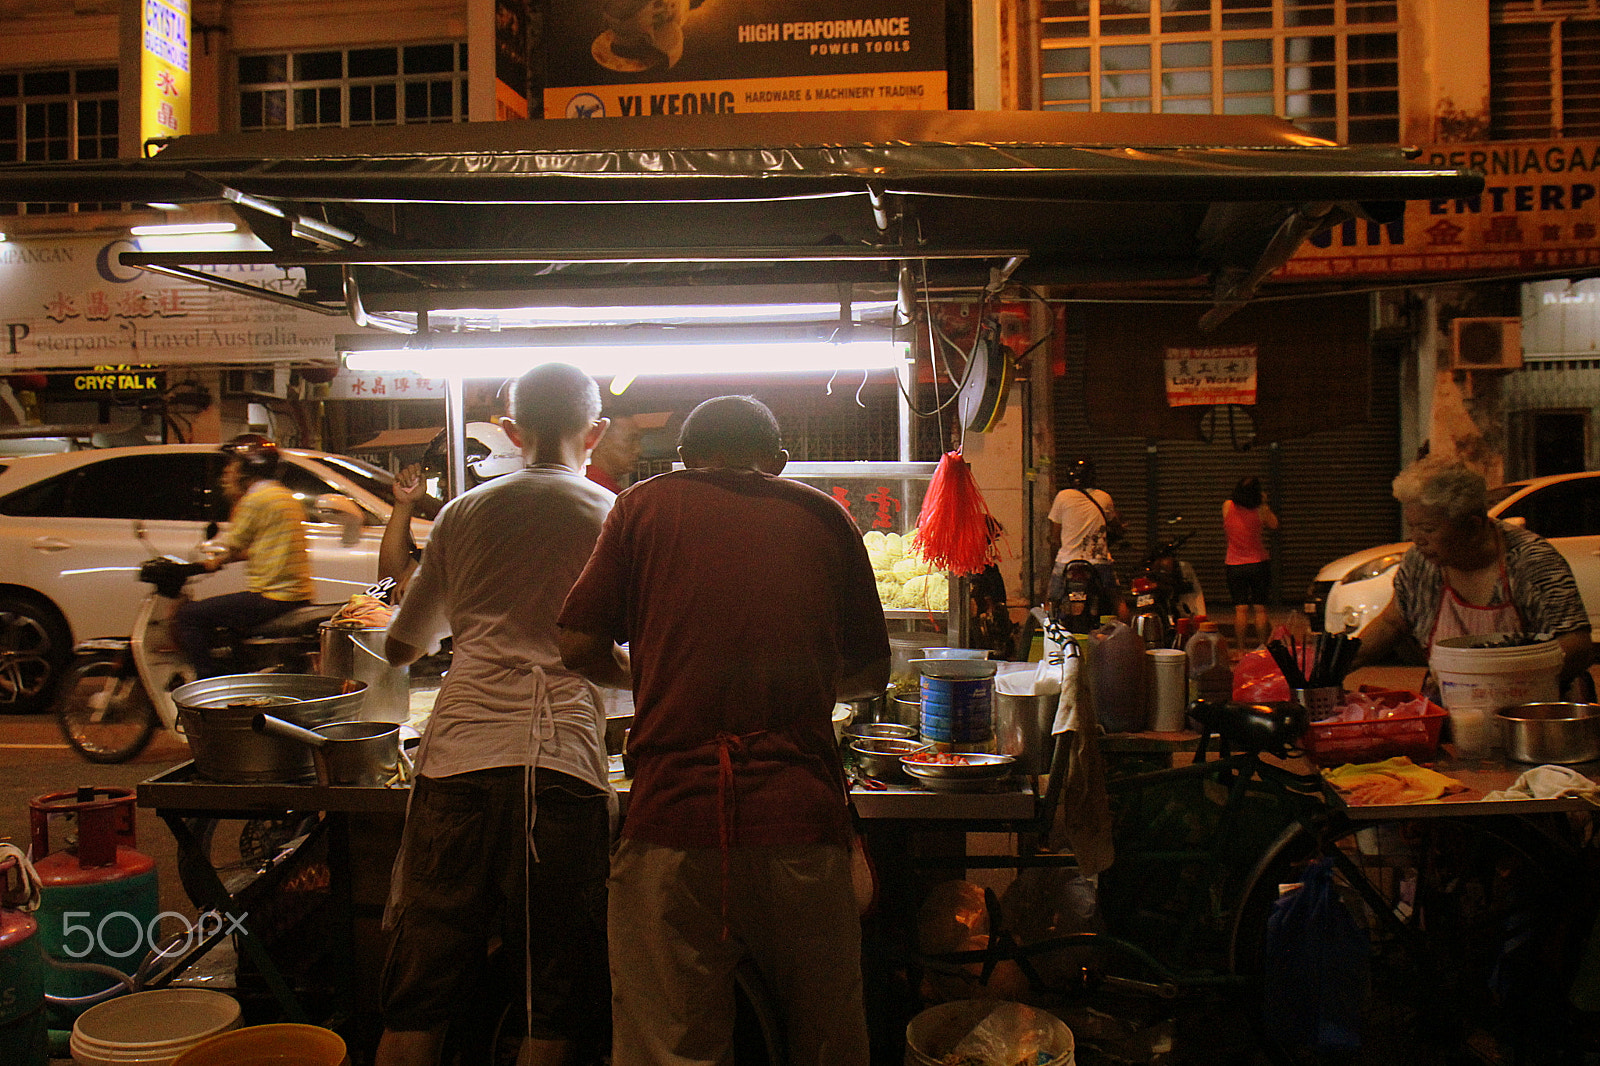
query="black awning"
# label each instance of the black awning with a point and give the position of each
(700, 208)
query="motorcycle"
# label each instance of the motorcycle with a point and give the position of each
(1166, 591)
(119, 690)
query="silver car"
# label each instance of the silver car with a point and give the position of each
(1563, 508)
(75, 526)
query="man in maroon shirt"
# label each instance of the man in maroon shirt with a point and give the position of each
(749, 607)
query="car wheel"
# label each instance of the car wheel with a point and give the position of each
(35, 649)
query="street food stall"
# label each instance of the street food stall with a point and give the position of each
(721, 244)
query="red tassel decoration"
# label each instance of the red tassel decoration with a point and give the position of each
(953, 529)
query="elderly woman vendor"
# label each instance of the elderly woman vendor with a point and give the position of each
(1469, 574)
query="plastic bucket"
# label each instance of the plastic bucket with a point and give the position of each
(1476, 681)
(150, 1028)
(280, 1044)
(988, 1030)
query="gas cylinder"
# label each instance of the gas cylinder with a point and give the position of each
(99, 899)
(23, 1032)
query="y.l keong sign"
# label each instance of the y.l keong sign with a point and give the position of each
(1539, 211)
(68, 302)
(1200, 376)
(610, 58)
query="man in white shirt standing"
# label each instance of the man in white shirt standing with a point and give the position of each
(1083, 522)
(508, 829)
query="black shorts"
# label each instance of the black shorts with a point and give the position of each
(1250, 583)
(462, 874)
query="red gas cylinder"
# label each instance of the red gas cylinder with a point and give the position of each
(23, 1036)
(99, 898)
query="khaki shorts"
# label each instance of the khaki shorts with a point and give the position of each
(461, 873)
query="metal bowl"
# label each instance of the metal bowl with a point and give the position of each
(956, 669)
(981, 773)
(1561, 733)
(871, 730)
(880, 756)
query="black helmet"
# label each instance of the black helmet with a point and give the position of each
(1078, 474)
(257, 454)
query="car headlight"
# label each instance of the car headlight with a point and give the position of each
(1366, 571)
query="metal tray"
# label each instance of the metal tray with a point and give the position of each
(981, 773)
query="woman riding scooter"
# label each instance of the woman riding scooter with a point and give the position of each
(265, 531)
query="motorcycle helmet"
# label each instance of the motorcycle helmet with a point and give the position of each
(258, 455)
(1078, 473)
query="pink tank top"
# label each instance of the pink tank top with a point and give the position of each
(1244, 535)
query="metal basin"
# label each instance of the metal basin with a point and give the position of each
(1561, 733)
(215, 716)
(879, 757)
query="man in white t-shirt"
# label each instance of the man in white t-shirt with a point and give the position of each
(508, 829)
(1083, 520)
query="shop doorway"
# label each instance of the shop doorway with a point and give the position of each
(1558, 442)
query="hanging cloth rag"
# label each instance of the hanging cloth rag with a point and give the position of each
(1083, 810)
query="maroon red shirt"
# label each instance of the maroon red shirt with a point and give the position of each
(742, 597)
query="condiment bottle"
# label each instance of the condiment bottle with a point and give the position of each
(1210, 676)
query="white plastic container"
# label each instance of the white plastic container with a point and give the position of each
(1168, 688)
(1475, 682)
(150, 1028)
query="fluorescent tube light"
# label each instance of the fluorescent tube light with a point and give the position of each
(182, 229)
(637, 360)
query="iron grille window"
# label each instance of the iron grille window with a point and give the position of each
(1330, 66)
(58, 115)
(388, 86)
(1544, 68)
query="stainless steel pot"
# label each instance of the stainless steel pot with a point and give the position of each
(358, 654)
(1562, 733)
(355, 754)
(215, 716)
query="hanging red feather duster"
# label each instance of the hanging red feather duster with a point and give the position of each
(953, 529)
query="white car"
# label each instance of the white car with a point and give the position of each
(1564, 509)
(70, 543)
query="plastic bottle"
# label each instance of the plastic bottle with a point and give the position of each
(1210, 676)
(1117, 678)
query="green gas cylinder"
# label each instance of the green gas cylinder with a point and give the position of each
(99, 899)
(23, 1033)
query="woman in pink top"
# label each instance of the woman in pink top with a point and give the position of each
(1245, 515)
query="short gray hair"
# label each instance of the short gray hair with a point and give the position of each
(554, 400)
(1444, 484)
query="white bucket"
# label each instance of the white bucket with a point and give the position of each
(150, 1028)
(1475, 682)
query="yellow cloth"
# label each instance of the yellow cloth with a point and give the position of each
(267, 529)
(1397, 780)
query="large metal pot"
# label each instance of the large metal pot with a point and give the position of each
(1562, 733)
(215, 715)
(358, 654)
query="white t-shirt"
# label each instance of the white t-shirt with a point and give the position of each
(1083, 530)
(498, 566)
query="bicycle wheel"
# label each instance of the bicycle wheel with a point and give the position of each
(1463, 918)
(104, 712)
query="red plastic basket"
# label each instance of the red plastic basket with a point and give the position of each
(1413, 735)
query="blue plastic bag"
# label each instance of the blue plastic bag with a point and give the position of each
(1316, 967)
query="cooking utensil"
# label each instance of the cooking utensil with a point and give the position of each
(215, 715)
(880, 756)
(352, 754)
(865, 730)
(1562, 733)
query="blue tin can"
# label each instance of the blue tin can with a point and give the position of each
(958, 712)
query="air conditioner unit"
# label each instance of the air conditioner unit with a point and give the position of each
(270, 381)
(1485, 344)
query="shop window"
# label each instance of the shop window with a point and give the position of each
(1330, 66)
(353, 87)
(48, 115)
(1544, 69)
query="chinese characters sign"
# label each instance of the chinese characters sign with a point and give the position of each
(164, 69)
(1538, 210)
(1197, 376)
(354, 385)
(611, 58)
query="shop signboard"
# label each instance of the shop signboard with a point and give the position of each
(106, 381)
(1538, 211)
(68, 302)
(1202, 376)
(359, 385)
(163, 69)
(613, 58)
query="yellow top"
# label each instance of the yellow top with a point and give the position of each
(267, 530)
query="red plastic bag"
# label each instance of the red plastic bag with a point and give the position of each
(1257, 679)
